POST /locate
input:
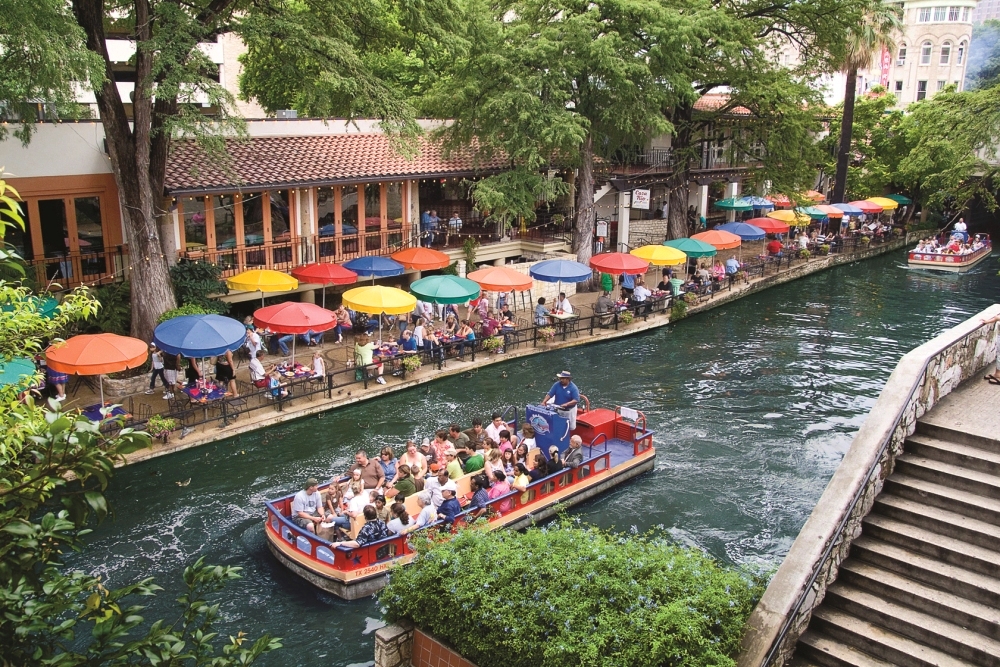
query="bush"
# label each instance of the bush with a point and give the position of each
(865, 240)
(189, 309)
(493, 343)
(679, 310)
(412, 362)
(804, 254)
(115, 313)
(568, 596)
(824, 249)
(626, 317)
(196, 282)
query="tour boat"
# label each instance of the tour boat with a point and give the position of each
(952, 263)
(617, 446)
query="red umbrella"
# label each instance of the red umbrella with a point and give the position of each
(294, 317)
(421, 259)
(867, 206)
(780, 201)
(617, 263)
(769, 225)
(325, 274)
(95, 354)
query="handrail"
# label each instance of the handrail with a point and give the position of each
(878, 419)
(593, 443)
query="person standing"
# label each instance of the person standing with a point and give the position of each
(156, 357)
(171, 362)
(454, 227)
(627, 283)
(564, 397)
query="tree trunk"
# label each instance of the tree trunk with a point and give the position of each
(678, 186)
(677, 220)
(846, 130)
(583, 241)
(130, 153)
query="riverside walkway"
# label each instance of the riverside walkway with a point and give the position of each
(899, 564)
(203, 425)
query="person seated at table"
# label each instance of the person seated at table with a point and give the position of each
(193, 372)
(664, 284)
(541, 313)
(467, 336)
(490, 325)
(732, 265)
(307, 506)
(641, 294)
(408, 343)
(419, 332)
(803, 240)
(704, 274)
(506, 313)
(718, 270)
(284, 342)
(373, 531)
(319, 365)
(276, 387)
(364, 356)
(432, 345)
(774, 248)
(224, 372)
(541, 468)
(563, 306)
(311, 338)
(450, 326)
(399, 524)
(604, 304)
(257, 374)
(450, 508)
(344, 323)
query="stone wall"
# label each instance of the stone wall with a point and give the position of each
(549, 290)
(645, 231)
(922, 377)
(403, 645)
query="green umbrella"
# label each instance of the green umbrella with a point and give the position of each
(900, 199)
(15, 370)
(692, 247)
(812, 212)
(45, 306)
(445, 289)
(734, 204)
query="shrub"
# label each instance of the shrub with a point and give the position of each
(115, 313)
(547, 333)
(189, 309)
(196, 282)
(897, 231)
(804, 254)
(824, 249)
(493, 343)
(159, 426)
(690, 297)
(626, 317)
(412, 362)
(865, 240)
(600, 599)
(679, 310)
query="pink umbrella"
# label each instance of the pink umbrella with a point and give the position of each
(294, 317)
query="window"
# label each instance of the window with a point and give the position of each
(941, 85)
(940, 13)
(960, 56)
(921, 90)
(21, 238)
(225, 221)
(195, 230)
(958, 86)
(965, 14)
(946, 53)
(898, 91)
(280, 219)
(394, 202)
(901, 56)
(924, 15)
(925, 53)
(953, 13)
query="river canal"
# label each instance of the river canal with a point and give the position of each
(754, 405)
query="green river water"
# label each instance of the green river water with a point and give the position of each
(754, 405)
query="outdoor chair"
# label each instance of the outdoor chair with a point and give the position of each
(181, 410)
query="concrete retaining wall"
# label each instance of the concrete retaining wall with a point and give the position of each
(922, 377)
(403, 645)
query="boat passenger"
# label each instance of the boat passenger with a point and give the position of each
(540, 469)
(387, 459)
(307, 506)
(493, 463)
(428, 513)
(429, 454)
(373, 531)
(477, 433)
(521, 481)
(450, 507)
(500, 487)
(564, 395)
(554, 464)
(380, 509)
(528, 435)
(372, 473)
(480, 494)
(440, 445)
(521, 454)
(474, 463)
(414, 460)
(496, 425)
(454, 468)
(399, 523)
(404, 486)
(436, 484)
(573, 456)
(507, 459)
(334, 505)
(457, 438)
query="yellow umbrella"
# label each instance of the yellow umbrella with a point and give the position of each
(660, 255)
(886, 203)
(262, 280)
(793, 218)
(379, 299)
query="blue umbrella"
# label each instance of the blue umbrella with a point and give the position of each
(375, 267)
(558, 270)
(759, 203)
(849, 209)
(199, 336)
(743, 230)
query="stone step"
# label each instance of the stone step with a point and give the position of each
(961, 502)
(894, 587)
(878, 641)
(955, 453)
(818, 649)
(957, 477)
(940, 521)
(929, 543)
(955, 435)
(984, 589)
(922, 628)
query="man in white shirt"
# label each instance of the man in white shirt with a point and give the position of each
(307, 506)
(253, 343)
(497, 425)
(434, 486)
(563, 305)
(257, 374)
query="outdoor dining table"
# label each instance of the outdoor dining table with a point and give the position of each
(205, 394)
(93, 412)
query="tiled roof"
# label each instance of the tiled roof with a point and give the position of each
(310, 160)
(715, 101)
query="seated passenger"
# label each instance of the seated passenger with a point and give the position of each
(573, 456)
(541, 468)
(554, 464)
(400, 521)
(428, 513)
(436, 484)
(380, 509)
(500, 488)
(450, 508)
(506, 440)
(373, 531)
(404, 486)
(307, 506)
(521, 454)
(521, 481)
(475, 463)
(334, 506)
(528, 435)
(480, 494)
(454, 468)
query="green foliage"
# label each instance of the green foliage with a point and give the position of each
(451, 269)
(115, 313)
(512, 195)
(412, 362)
(865, 240)
(678, 311)
(493, 343)
(626, 317)
(804, 253)
(190, 309)
(983, 68)
(604, 599)
(196, 283)
(469, 247)
(824, 249)
(159, 426)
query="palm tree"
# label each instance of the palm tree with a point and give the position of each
(876, 31)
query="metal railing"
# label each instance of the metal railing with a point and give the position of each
(80, 268)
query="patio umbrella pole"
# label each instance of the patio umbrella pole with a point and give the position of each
(101, 387)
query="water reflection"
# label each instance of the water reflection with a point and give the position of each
(754, 406)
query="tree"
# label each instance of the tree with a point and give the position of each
(875, 31)
(877, 145)
(983, 69)
(317, 56)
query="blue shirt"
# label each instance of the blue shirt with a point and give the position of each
(732, 265)
(425, 219)
(451, 509)
(628, 282)
(409, 345)
(565, 394)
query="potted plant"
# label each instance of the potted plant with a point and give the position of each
(626, 317)
(690, 297)
(743, 275)
(824, 249)
(546, 333)
(897, 231)
(412, 362)
(493, 344)
(865, 240)
(804, 254)
(160, 427)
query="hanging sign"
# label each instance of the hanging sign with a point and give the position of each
(640, 199)
(602, 228)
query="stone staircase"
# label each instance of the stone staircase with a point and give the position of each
(921, 586)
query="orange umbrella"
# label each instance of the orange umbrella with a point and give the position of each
(722, 240)
(780, 201)
(501, 279)
(831, 211)
(812, 195)
(421, 259)
(95, 354)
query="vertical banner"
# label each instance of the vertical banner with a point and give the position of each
(886, 62)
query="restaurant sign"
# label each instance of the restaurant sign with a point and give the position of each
(640, 199)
